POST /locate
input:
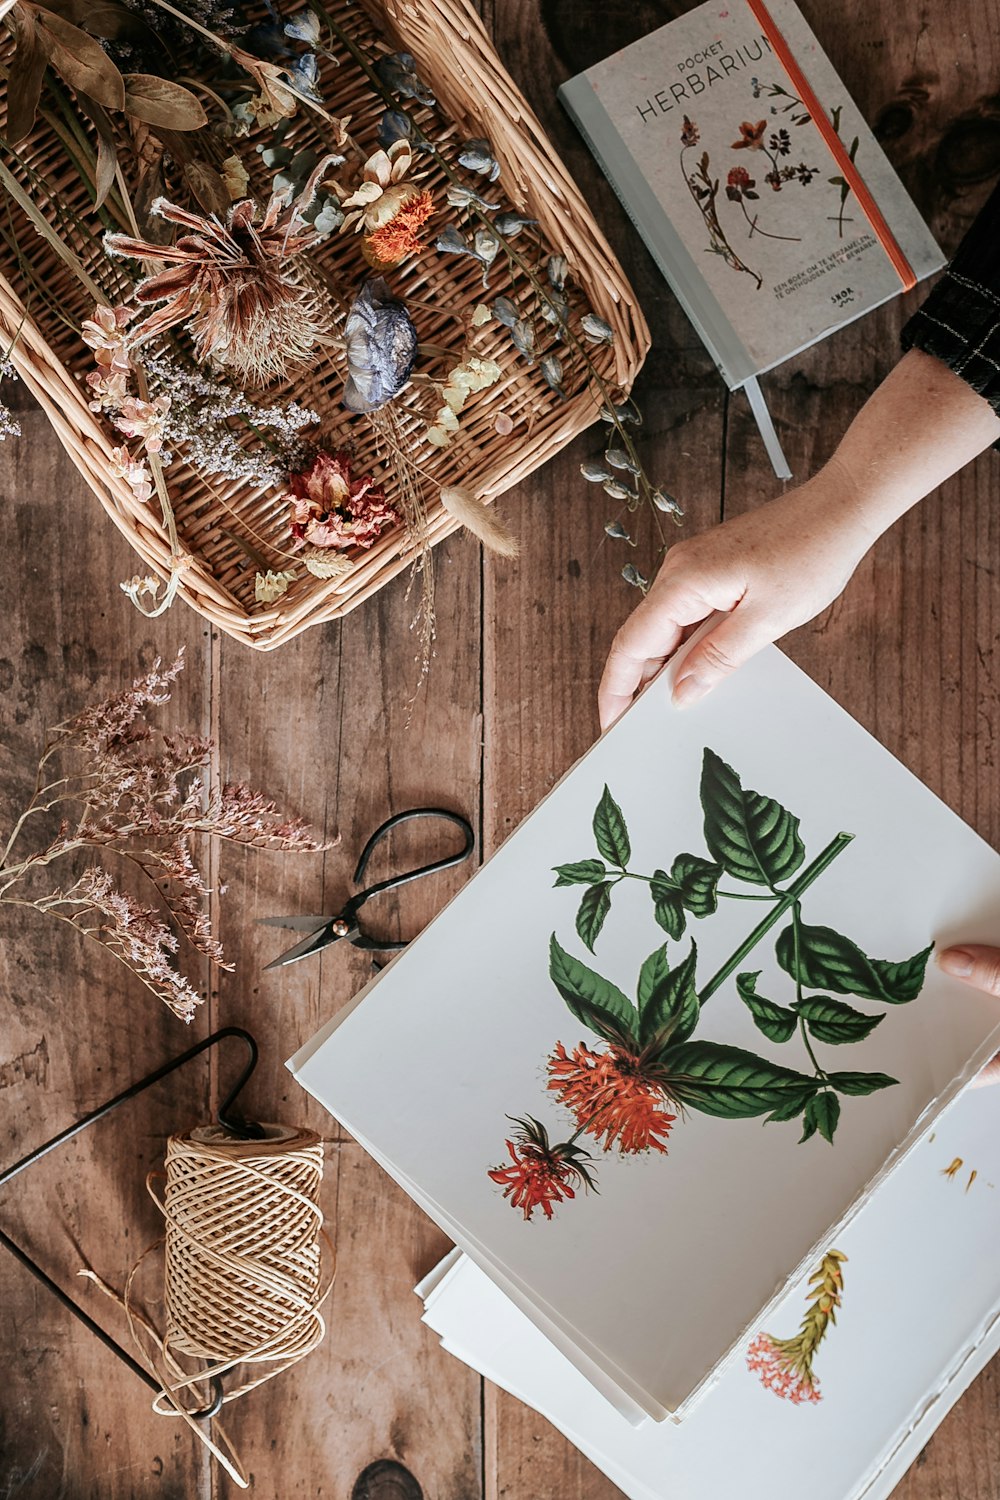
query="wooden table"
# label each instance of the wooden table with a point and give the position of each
(910, 649)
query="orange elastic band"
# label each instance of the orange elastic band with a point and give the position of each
(850, 173)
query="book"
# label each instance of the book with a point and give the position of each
(755, 182)
(919, 1318)
(661, 1048)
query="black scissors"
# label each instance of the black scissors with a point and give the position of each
(321, 931)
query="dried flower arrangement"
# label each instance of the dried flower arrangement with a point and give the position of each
(136, 793)
(308, 312)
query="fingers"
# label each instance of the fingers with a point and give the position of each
(976, 964)
(725, 648)
(648, 637)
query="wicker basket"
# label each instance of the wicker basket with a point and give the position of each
(456, 59)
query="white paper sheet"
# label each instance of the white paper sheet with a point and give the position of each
(920, 1318)
(658, 1279)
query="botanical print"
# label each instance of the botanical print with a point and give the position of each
(705, 191)
(626, 1093)
(785, 1366)
(740, 186)
(799, 115)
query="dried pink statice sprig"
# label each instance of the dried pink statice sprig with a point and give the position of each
(127, 789)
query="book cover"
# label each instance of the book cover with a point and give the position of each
(727, 176)
(666, 1042)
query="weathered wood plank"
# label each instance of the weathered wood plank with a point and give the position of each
(77, 1028)
(326, 721)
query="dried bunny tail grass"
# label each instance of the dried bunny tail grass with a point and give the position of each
(480, 519)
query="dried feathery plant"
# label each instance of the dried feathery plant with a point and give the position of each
(234, 284)
(136, 794)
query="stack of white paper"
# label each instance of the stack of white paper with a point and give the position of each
(920, 1317)
(648, 1094)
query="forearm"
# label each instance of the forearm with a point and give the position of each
(921, 425)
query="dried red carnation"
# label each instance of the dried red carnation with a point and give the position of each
(332, 508)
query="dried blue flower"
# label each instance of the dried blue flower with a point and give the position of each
(557, 269)
(596, 329)
(619, 491)
(617, 530)
(460, 196)
(523, 334)
(552, 370)
(631, 575)
(394, 126)
(626, 412)
(504, 311)
(304, 28)
(451, 242)
(594, 472)
(618, 458)
(666, 503)
(398, 71)
(510, 224)
(478, 157)
(305, 76)
(381, 347)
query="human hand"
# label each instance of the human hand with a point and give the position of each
(770, 570)
(979, 966)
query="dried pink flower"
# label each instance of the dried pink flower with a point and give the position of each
(139, 796)
(333, 508)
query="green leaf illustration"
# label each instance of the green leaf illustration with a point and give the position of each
(835, 1022)
(668, 904)
(830, 961)
(697, 880)
(596, 1002)
(610, 831)
(860, 1083)
(776, 1022)
(749, 835)
(793, 1105)
(583, 872)
(728, 1082)
(594, 908)
(668, 1000)
(822, 1114)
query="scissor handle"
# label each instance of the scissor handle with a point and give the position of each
(396, 880)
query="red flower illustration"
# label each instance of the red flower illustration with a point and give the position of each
(611, 1097)
(689, 133)
(751, 136)
(539, 1173)
(332, 508)
(780, 1371)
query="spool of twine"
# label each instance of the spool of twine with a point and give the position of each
(244, 1276)
(242, 1257)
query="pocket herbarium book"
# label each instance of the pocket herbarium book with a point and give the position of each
(651, 1060)
(754, 180)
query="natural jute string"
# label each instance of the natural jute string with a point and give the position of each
(244, 1275)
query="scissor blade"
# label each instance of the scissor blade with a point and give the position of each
(314, 943)
(295, 924)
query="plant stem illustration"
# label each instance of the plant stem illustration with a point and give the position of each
(785, 1366)
(626, 1093)
(705, 191)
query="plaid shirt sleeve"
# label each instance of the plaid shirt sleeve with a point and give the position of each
(959, 322)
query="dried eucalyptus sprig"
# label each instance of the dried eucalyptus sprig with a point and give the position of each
(122, 788)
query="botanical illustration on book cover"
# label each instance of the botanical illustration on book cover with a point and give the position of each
(625, 1089)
